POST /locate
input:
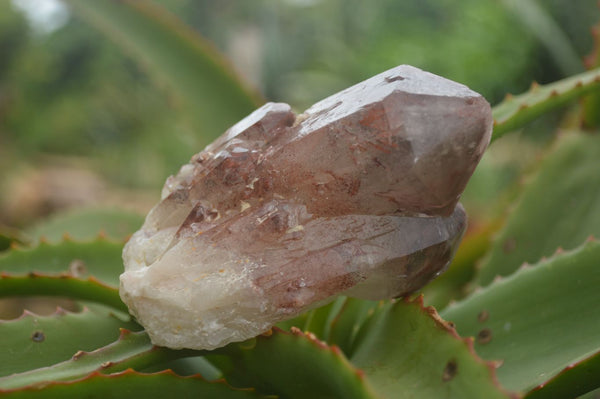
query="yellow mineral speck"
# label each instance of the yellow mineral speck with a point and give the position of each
(222, 271)
(295, 229)
(251, 184)
(244, 205)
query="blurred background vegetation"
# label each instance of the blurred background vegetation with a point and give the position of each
(83, 123)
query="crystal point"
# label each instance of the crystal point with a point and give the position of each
(356, 196)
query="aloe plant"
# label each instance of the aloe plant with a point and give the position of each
(515, 316)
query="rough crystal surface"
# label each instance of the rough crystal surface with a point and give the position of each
(356, 196)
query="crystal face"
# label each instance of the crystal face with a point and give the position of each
(356, 196)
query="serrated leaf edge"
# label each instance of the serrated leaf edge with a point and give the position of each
(58, 312)
(322, 345)
(562, 91)
(562, 373)
(110, 295)
(526, 266)
(469, 342)
(498, 279)
(126, 372)
(523, 183)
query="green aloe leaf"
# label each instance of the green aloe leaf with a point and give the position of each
(591, 103)
(100, 259)
(559, 208)
(539, 320)
(346, 324)
(131, 350)
(61, 286)
(451, 285)
(33, 341)
(196, 76)
(293, 365)
(78, 270)
(407, 351)
(516, 111)
(316, 320)
(131, 384)
(336, 323)
(87, 224)
(319, 320)
(573, 379)
(10, 237)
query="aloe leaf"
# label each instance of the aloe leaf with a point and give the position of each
(129, 383)
(407, 351)
(315, 320)
(451, 285)
(573, 379)
(33, 341)
(131, 350)
(84, 271)
(591, 103)
(10, 237)
(595, 394)
(346, 324)
(100, 259)
(294, 365)
(87, 224)
(537, 321)
(319, 320)
(196, 76)
(189, 366)
(336, 323)
(515, 111)
(559, 207)
(61, 286)
(5, 241)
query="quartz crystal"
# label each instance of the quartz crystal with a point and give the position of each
(356, 196)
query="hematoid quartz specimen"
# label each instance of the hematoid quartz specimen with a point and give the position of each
(357, 196)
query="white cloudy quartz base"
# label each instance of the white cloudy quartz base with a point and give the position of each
(357, 196)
